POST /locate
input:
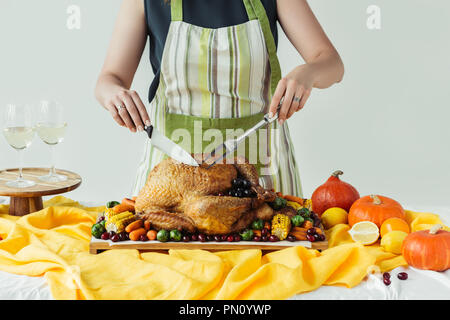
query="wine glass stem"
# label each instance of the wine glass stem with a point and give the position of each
(20, 164)
(52, 168)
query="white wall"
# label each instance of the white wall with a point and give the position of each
(385, 125)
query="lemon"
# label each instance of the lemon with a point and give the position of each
(392, 241)
(365, 232)
(333, 216)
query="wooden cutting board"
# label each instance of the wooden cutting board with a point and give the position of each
(98, 245)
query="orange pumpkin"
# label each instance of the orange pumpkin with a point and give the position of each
(428, 249)
(376, 209)
(333, 193)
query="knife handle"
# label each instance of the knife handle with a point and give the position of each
(149, 130)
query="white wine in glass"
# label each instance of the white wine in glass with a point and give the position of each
(19, 132)
(51, 128)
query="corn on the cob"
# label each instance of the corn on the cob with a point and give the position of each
(117, 223)
(307, 204)
(281, 225)
(109, 213)
(295, 205)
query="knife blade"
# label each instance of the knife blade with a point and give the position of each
(164, 144)
(231, 145)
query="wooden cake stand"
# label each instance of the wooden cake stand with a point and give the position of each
(27, 200)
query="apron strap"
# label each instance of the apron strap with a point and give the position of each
(256, 8)
(176, 8)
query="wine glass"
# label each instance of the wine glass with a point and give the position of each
(51, 128)
(18, 131)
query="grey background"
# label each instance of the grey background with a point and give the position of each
(385, 125)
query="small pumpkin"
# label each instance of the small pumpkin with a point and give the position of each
(428, 249)
(376, 209)
(333, 193)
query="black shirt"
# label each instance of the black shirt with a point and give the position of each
(203, 13)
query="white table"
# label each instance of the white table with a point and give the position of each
(421, 284)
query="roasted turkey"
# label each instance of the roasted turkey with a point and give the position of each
(183, 197)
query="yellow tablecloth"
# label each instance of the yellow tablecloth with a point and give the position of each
(54, 243)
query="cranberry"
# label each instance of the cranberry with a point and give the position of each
(291, 238)
(311, 231)
(230, 238)
(115, 238)
(387, 281)
(202, 238)
(402, 276)
(274, 238)
(310, 238)
(143, 237)
(217, 238)
(256, 238)
(265, 238)
(386, 275)
(105, 235)
(186, 238)
(224, 237)
(264, 232)
(237, 238)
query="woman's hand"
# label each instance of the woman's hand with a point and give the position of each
(127, 109)
(295, 88)
(124, 53)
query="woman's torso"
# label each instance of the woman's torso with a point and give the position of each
(203, 13)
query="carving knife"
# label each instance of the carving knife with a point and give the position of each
(231, 145)
(173, 150)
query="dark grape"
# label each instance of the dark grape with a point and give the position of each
(224, 237)
(115, 238)
(111, 234)
(248, 193)
(256, 238)
(273, 238)
(317, 237)
(311, 231)
(105, 236)
(310, 238)
(386, 275)
(194, 237)
(209, 238)
(321, 237)
(230, 238)
(265, 238)
(387, 281)
(143, 237)
(237, 238)
(264, 232)
(246, 184)
(202, 237)
(291, 238)
(186, 238)
(123, 236)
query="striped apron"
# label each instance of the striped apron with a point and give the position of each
(214, 85)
